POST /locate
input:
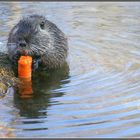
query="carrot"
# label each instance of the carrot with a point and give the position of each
(25, 67)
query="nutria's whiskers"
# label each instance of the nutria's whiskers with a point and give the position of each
(37, 36)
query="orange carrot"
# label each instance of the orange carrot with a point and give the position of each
(25, 67)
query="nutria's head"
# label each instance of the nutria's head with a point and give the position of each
(36, 36)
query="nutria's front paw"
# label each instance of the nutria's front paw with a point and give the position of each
(35, 64)
(15, 59)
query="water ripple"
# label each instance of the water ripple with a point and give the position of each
(98, 94)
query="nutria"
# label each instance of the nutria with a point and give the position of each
(36, 36)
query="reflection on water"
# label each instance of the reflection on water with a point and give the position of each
(98, 93)
(25, 89)
(34, 97)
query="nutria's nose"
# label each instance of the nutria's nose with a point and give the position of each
(22, 44)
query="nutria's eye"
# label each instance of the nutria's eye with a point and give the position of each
(42, 25)
(19, 38)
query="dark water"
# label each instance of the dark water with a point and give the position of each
(98, 93)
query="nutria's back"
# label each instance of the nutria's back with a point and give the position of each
(36, 36)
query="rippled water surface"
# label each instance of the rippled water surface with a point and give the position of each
(97, 94)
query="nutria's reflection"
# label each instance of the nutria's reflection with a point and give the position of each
(31, 105)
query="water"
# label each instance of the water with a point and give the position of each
(98, 93)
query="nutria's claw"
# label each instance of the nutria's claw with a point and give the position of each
(35, 64)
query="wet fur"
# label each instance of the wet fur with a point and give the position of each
(49, 45)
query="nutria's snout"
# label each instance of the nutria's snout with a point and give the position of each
(38, 37)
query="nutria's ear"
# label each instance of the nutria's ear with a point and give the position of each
(15, 29)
